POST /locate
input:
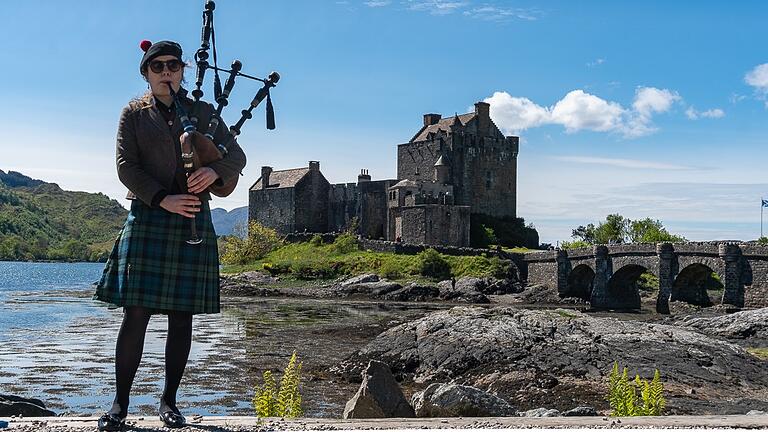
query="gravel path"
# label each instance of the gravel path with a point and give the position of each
(237, 424)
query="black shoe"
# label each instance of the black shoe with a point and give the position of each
(171, 417)
(111, 422)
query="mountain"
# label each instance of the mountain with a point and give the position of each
(227, 222)
(39, 220)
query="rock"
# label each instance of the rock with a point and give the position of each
(582, 411)
(453, 400)
(375, 289)
(413, 292)
(468, 344)
(752, 324)
(251, 284)
(540, 412)
(379, 395)
(756, 412)
(466, 289)
(495, 286)
(18, 406)
(364, 278)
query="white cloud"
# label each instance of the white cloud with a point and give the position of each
(579, 110)
(758, 78)
(436, 7)
(495, 13)
(623, 163)
(378, 3)
(693, 114)
(597, 62)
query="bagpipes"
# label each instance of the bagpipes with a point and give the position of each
(197, 149)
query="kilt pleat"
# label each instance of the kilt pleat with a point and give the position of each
(152, 266)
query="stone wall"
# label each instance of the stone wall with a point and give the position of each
(342, 205)
(372, 212)
(416, 160)
(742, 268)
(273, 208)
(486, 176)
(312, 202)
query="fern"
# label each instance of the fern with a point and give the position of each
(268, 401)
(623, 394)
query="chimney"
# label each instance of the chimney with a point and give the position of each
(265, 172)
(314, 165)
(430, 119)
(363, 176)
(483, 112)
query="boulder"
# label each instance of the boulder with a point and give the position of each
(363, 278)
(756, 412)
(453, 400)
(15, 406)
(582, 411)
(752, 324)
(379, 395)
(540, 412)
(468, 345)
(466, 289)
(495, 286)
(413, 292)
(375, 289)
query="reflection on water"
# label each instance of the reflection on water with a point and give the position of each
(58, 345)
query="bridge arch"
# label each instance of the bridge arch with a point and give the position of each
(580, 282)
(623, 292)
(693, 284)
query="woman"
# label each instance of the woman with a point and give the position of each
(151, 268)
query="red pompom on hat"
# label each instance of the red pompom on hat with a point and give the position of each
(145, 44)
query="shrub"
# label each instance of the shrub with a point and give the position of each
(762, 240)
(344, 244)
(316, 240)
(259, 242)
(269, 401)
(433, 265)
(623, 394)
(576, 244)
(390, 269)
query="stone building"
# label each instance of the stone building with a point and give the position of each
(452, 167)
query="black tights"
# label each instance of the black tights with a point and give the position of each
(130, 347)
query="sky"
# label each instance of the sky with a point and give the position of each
(648, 109)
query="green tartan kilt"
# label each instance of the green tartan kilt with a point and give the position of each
(152, 265)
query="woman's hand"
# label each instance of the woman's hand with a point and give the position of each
(199, 180)
(183, 204)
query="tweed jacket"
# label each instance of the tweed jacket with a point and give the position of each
(148, 151)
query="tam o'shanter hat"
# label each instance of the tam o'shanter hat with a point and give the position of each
(152, 50)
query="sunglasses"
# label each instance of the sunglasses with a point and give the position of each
(157, 66)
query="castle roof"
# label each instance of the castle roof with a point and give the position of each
(405, 183)
(441, 161)
(444, 125)
(283, 178)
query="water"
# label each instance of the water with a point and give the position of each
(43, 295)
(57, 344)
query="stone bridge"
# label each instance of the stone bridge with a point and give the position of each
(698, 273)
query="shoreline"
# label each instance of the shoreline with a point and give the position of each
(248, 423)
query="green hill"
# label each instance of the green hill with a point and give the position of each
(40, 221)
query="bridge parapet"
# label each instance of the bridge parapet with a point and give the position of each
(742, 268)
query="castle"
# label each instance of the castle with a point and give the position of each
(452, 167)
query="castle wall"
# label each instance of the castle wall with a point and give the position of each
(486, 175)
(312, 203)
(342, 205)
(273, 208)
(373, 208)
(416, 161)
(431, 224)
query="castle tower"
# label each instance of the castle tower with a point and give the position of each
(442, 171)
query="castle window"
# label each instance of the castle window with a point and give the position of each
(488, 179)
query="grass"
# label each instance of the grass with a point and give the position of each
(308, 261)
(761, 353)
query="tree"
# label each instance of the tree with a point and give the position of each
(618, 229)
(650, 231)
